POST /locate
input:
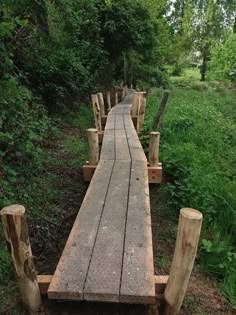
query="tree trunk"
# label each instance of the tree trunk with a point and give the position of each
(204, 68)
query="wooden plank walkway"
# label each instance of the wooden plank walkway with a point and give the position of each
(108, 256)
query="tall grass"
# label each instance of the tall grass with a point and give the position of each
(198, 151)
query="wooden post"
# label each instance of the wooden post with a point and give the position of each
(109, 101)
(101, 103)
(158, 117)
(116, 97)
(93, 146)
(154, 143)
(17, 237)
(135, 105)
(189, 228)
(96, 112)
(141, 110)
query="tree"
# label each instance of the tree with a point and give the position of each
(223, 60)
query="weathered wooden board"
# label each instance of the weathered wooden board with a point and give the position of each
(121, 145)
(70, 275)
(103, 280)
(110, 123)
(119, 124)
(108, 146)
(137, 284)
(136, 150)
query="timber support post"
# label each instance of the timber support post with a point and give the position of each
(93, 146)
(189, 228)
(154, 142)
(116, 97)
(96, 112)
(109, 101)
(154, 167)
(17, 237)
(90, 167)
(101, 104)
(135, 105)
(141, 110)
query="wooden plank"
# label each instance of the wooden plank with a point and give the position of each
(137, 284)
(119, 124)
(121, 146)
(136, 149)
(70, 275)
(45, 280)
(103, 280)
(108, 146)
(110, 123)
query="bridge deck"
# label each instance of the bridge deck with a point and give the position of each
(108, 256)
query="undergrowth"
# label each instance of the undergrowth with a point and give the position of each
(31, 181)
(198, 149)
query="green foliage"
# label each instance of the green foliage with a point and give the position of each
(223, 60)
(198, 153)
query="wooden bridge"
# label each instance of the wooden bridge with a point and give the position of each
(108, 256)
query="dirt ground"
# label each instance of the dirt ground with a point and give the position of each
(48, 242)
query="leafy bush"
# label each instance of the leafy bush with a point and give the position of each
(23, 126)
(198, 141)
(223, 60)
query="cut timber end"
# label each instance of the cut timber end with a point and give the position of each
(17, 237)
(155, 174)
(88, 171)
(44, 282)
(160, 284)
(189, 228)
(191, 214)
(16, 210)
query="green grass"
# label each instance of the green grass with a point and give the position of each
(77, 146)
(198, 150)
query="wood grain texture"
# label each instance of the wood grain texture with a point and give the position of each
(17, 237)
(121, 145)
(103, 280)
(108, 147)
(108, 256)
(69, 278)
(189, 229)
(137, 283)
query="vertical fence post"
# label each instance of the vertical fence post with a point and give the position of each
(101, 103)
(93, 146)
(109, 101)
(154, 143)
(96, 112)
(135, 104)
(116, 97)
(18, 243)
(141, 110)
(189, 228)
